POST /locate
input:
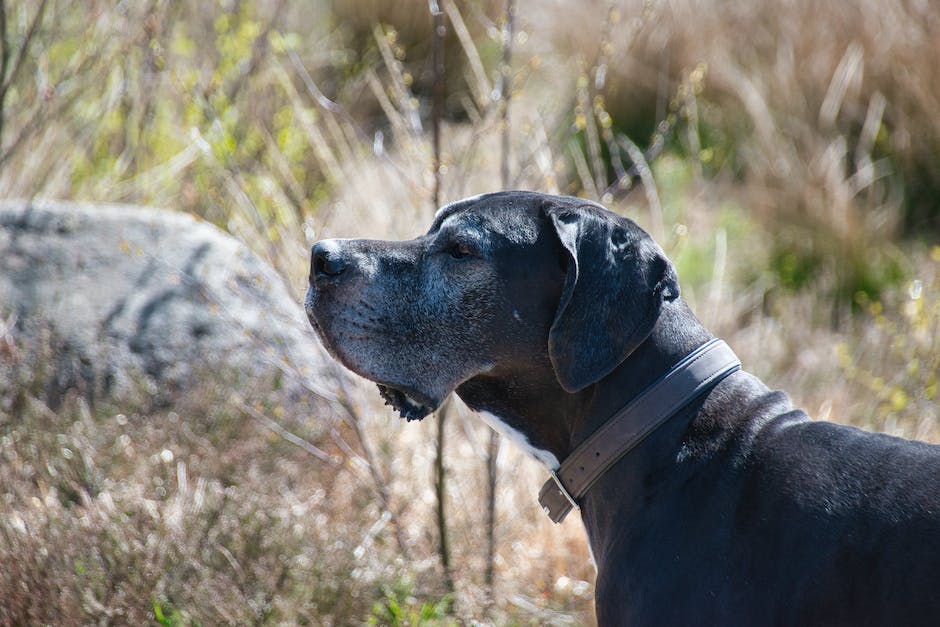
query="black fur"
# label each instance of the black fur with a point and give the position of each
(552, 313)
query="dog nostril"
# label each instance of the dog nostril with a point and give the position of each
(327, 266)
(326, 262)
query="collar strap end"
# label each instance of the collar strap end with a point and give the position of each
(556, 500)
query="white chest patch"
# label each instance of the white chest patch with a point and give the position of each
(590, 549)
(519, 438)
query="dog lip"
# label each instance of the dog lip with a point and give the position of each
(321, 334)
(410, 404)
(317, 329)
(407, 401)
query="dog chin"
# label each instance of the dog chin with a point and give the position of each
(406, 404)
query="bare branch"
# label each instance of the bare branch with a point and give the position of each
(492, 449)
(379, 481)
(7, 80)
(505, 88)
(649, 184)
(402, 93)
(440, 493)
(4, 43)
(483, 89)
(258, 51)
(285, 434)
(8, 75)
(437, 99)
(437, 111)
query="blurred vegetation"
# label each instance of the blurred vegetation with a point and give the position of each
(784, 154)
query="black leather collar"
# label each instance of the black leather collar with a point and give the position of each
(698, 372)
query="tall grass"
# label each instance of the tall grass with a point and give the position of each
(783, 153)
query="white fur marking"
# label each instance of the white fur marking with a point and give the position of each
(494, 421)
(590, 549)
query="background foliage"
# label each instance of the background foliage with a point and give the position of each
(784, 153)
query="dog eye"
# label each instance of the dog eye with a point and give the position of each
(459, 251)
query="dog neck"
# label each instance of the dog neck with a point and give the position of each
(529, 406)
(628, 492)
(530, 403)
(532, 407)
(551, 423)
(676, 334)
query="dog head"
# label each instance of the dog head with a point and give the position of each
(511, 285)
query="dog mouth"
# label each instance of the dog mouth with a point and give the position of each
(410, 404)
(404, 403)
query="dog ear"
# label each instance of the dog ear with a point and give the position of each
(617, 280)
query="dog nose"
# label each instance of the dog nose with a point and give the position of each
(326, 260)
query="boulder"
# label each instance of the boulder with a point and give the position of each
(130, 300)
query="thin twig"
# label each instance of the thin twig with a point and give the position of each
(46, 110)
(273, 426)
(4, 59)
(7, 79)
(437, 111)
(634, 174)
(440, 494)
(493, 446)
(649, 184)
(8, 72)
(259, 49)
(321, 150)
(492, 479)
(483, 89)
(335, 109)
(592, 138)
(505, 88)
(399, 87)
(379, 481)
(690, 108)
(437, 99)
(582, 168)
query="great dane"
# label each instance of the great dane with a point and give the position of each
(713, 501)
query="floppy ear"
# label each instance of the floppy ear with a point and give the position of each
(617, 280)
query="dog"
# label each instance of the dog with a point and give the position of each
(715, 501)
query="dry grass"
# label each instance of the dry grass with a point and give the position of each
(799, 173)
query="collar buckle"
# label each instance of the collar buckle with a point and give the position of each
(564, 491)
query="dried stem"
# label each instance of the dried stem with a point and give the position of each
(285, 434)
(379, 481)
(4, 59)
(505, 87)
(641, 164)
(483, 89)
(440, 494)
(8, 71)
(403, 95)
(492, 479)
(437, 111)
(492, 449)
(259, 51)
(341, 114)
(437, 99)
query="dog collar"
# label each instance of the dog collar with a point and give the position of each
(698, 372)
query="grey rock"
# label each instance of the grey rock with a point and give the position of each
(135, 299)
